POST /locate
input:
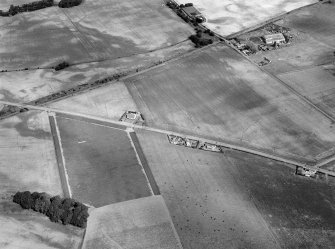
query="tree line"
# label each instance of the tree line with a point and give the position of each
(65, 210)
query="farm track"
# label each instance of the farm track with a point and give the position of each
(287, 162)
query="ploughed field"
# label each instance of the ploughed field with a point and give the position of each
(218, 94)
(101, 163)
(237, 200)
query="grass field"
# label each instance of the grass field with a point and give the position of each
(236, 200)
(313, 45)
(141, 223)
(27, 155)
(228, 17)
(316, 83)
(101, 163)
(218, 94)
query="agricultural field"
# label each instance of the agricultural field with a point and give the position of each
(236, 200)
(140, 223)
(313, 42)
(316, 83)
(33, 37)
(27, 155)
(29, 85)
(93, 31)
(220, 95)
(101, 163)
(229, 17)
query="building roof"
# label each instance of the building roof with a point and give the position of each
(274, 37)
(192, 11)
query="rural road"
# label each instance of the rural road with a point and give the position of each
(288, 162)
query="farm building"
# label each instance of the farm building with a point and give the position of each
(274, 39)
(193, 13)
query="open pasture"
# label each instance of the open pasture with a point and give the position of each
(236, 200)
(141, 223)
(101, 163)
(229, 17)
(317, 84)
(27, 155)
(298, 209)
(218, 94)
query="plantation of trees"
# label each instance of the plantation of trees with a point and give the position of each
(65, 210)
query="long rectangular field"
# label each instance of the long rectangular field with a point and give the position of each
(101, 163)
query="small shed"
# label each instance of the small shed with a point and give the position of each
(274, 39)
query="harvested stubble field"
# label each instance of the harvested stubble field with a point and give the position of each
(219, 94)
(28, 162)
(101, 163)
(317, 83)
(313, 43)
(141, 223)
(236, 200)
(231, 16)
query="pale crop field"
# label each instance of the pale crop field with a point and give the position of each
(28, 163)
(107, 102)
(231, 16)
(27, 155)
(140, 223)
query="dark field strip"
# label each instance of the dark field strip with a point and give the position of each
(144, 162)
(92, 121)
(60, 162)
(101, 163)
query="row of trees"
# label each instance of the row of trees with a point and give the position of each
(65, 210)
(13, 10)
